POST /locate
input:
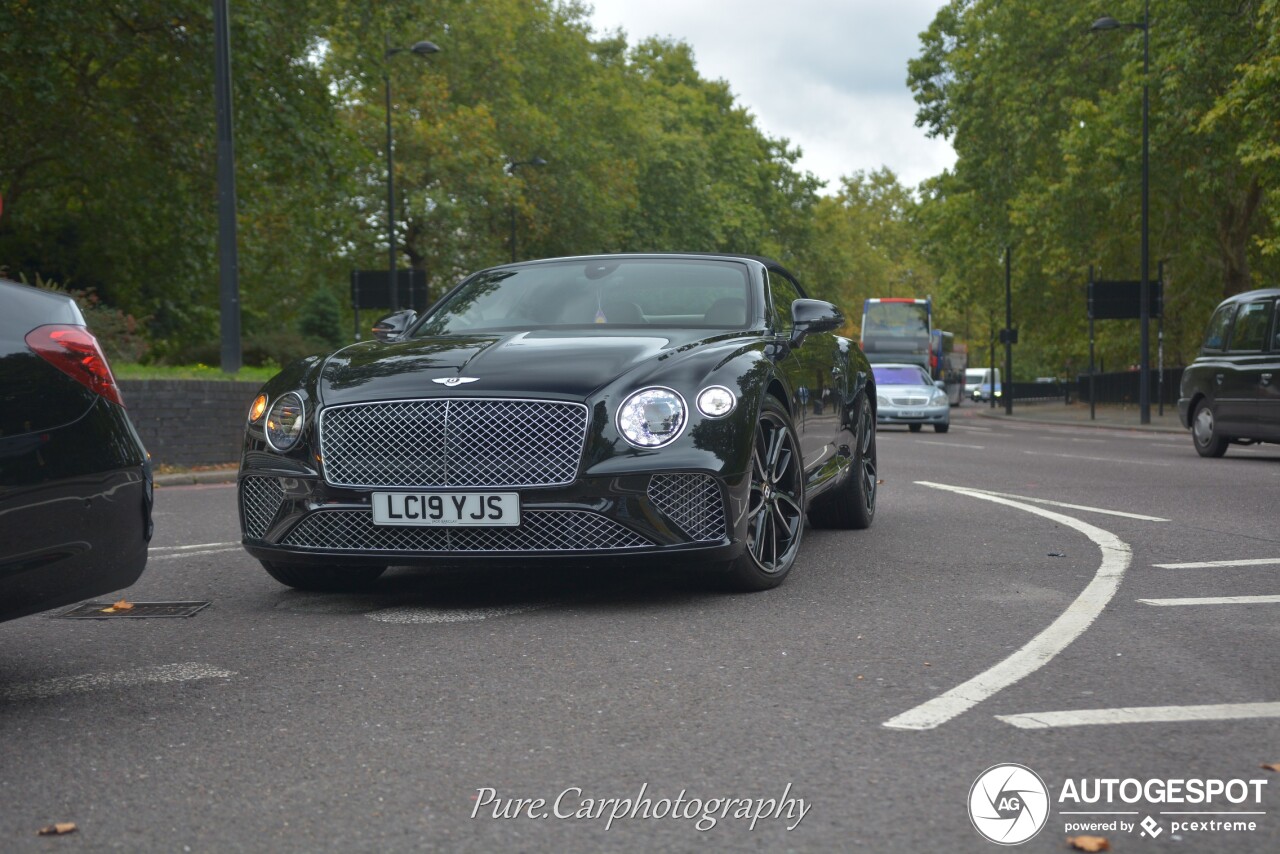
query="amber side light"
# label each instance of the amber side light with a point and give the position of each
(258, 408)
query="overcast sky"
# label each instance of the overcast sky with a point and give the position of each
(829, 75)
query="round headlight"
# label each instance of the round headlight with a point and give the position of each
(284, 422)
(716, 401)
(652, 417)
(938, 398)
(258, 409)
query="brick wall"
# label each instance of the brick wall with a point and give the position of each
(190, 422)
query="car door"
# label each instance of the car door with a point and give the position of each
(1241, 388)
(1269, 384)
(816, 383)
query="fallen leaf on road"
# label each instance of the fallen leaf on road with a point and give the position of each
(1271, 766)
(1089, 843)
(58, 829)
(122, 605)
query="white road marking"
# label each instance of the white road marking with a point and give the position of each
(1096, 459)
(1041, 649)
(1216, 600)
(973, 427)
(1210, 564)
(188, 548)
(88, 682)
(1071, 506)
(1143, 715)
(195, 554)
(951, 444)
(418, 614)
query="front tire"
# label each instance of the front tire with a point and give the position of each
(941, 428)
(852, 504)
(914, 428)
(775, 508)
(328, 579)
(1204, 433)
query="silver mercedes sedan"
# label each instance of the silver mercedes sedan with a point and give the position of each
(905, 394)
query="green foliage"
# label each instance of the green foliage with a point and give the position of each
(1045, 117)
(108, 162)
(119, 334)
(321, 319)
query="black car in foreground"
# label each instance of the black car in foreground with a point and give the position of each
(1231, 392)
(663, 408)
(75, 482)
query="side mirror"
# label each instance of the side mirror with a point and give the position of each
(393, 326)
(813, 315)
(942, 384)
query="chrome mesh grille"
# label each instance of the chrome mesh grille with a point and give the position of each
(453, 442)
(260, 498)
(538, 531)
(692, 501)
(910, 401)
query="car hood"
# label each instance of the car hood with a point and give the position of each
(560, 363)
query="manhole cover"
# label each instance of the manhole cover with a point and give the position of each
(140, 610)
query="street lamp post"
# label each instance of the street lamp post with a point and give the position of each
(512, 165)
(423, 49)
(1144, 287)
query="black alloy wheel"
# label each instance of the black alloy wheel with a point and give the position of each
(329, 579)
(1204, 432)
(775, 510)
(852, 504)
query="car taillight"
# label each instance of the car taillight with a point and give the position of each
(74, 351)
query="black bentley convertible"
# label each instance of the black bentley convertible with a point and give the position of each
(674, 408)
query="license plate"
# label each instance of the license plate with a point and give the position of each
(912, 413)
(446, 509)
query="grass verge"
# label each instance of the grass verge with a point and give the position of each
(132, 371)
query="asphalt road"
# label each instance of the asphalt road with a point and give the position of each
(896, 665)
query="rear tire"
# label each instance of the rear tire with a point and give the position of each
(1204, 433)
(852, 504)
(329, 579)
(775, 507)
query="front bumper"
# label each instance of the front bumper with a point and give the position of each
(890, 414)
(1184, 411)
(301, 519)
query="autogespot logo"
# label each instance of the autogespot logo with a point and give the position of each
(1008, 804)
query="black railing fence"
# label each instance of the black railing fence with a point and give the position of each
(1122, 387)
(1039, 392)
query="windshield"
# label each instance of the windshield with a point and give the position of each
(663, 292)
(904, 375)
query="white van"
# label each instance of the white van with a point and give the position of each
(977, 383)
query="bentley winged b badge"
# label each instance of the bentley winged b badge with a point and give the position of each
(453, 381)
